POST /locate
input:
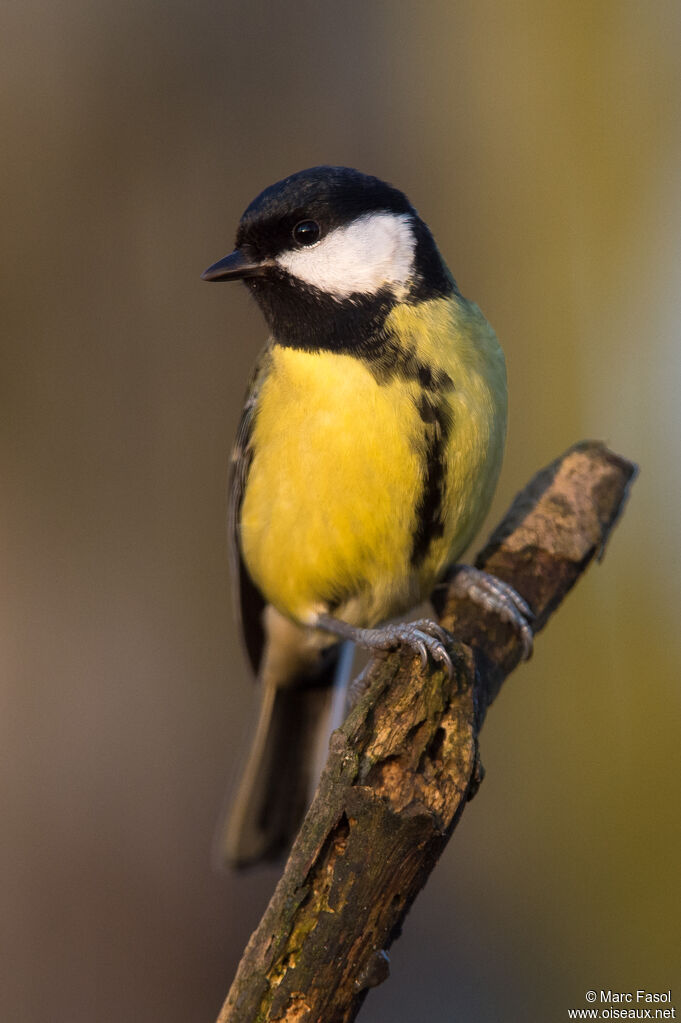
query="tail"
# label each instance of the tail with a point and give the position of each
(275, 789)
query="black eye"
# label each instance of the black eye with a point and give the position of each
(306, 232)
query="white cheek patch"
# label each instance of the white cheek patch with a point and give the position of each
(373, 252)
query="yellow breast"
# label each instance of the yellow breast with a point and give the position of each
(330, 506)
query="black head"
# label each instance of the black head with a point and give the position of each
(329, 196)
(331, 245)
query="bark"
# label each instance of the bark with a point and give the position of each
(404, 764)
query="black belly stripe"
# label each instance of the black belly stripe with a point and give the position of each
(430, 520)
(391, 359)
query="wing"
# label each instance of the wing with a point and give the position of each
(249, 601)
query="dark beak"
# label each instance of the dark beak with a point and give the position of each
(233, 267)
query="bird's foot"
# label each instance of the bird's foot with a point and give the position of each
(497, 597)
(425, 636)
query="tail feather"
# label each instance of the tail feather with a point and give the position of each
(276, 785)
(274, 791)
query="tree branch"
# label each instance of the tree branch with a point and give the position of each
(404, 764)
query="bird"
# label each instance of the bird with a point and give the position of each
(366, 458)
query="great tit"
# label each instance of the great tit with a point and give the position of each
(366, 458)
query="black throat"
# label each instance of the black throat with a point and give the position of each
(301, 316)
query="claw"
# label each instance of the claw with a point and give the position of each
(498, 597)
(444, 658)
(433, 640)
(421, 647)
(425, 637)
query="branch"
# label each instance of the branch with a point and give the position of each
(405, 762)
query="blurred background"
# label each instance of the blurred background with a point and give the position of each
(541, 142)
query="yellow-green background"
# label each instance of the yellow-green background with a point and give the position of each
(541, 141)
